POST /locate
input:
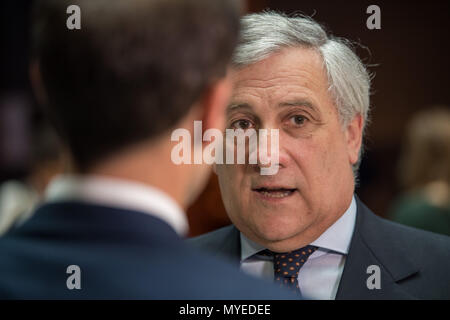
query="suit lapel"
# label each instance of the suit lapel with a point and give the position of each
(370, 246)
(353, 284)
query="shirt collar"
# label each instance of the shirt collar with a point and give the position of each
(339, 235)
(121, 193)
(336, 238)
(249, 247)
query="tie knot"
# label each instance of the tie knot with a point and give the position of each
(288, 264)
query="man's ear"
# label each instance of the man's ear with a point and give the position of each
(353, 134)
(214, 104)
(37, 83)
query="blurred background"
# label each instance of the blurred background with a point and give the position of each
(405, 170)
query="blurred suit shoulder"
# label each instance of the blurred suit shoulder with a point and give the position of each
(122, 254)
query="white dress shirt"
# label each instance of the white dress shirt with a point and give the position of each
(320, 276)
(118, 193)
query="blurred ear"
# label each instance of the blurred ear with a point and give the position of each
(37, 83)
(353, 135)
(214, 104)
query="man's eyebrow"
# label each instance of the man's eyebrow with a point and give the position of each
(233, 106)
(290, 103)
(297, 103)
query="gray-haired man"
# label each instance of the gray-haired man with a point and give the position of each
(304, 226)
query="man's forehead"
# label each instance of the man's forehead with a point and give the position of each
(291, 77)
(293, 69)
(287, 61)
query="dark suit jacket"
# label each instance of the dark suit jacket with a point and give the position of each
(122, 255)
(414, 264)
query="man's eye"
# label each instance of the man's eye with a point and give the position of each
(241, 124)
(298, 120)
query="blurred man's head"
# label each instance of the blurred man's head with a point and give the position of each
(135, 71)
(289, 75)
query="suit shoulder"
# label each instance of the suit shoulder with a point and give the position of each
(413, 235)
(233, 283)
(214, 239)
(414, 243)
(156, 273)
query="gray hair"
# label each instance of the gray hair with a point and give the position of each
(263, 34)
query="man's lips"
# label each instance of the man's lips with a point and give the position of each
(274, 192)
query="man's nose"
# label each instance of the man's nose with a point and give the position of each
(268, 152)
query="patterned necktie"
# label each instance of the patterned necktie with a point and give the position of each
(287, 266)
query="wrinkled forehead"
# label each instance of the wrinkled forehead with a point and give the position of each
(293, 74)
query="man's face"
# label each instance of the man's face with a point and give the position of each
(314, 184)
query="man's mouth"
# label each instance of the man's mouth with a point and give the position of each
(275, 193)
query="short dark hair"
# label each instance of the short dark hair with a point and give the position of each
(132, 71)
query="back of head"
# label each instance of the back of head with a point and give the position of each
(132, 70)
